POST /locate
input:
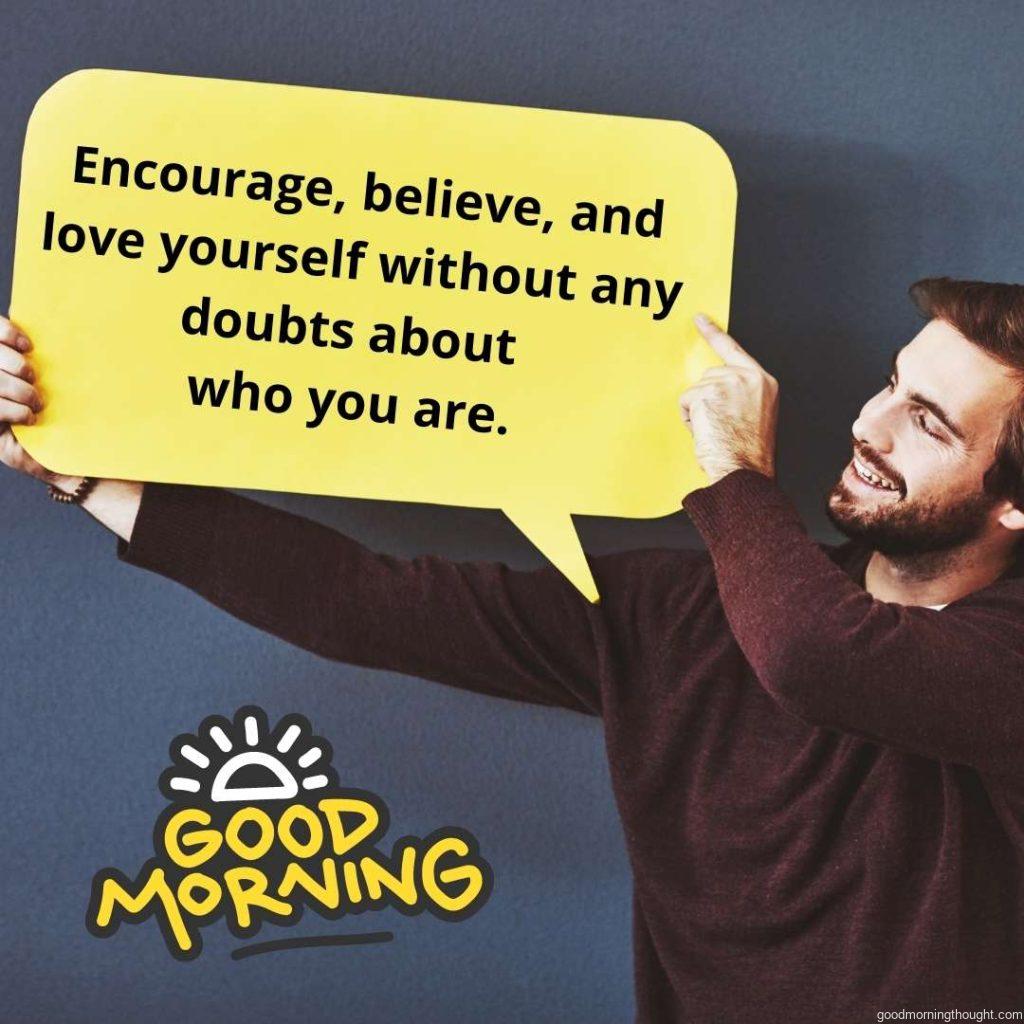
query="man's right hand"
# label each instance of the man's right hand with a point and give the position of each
(21, 402)
(114, 503)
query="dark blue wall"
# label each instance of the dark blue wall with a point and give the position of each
(873, 142)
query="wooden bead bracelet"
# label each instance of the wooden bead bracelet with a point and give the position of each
(75, 497)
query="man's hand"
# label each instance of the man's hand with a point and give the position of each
(20, 402)
(732, 410)
(114, 503)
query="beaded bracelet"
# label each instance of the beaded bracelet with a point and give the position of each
(75, 497)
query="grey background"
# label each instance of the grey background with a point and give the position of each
(873, 143)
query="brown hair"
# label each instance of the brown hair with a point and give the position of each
(992, 317)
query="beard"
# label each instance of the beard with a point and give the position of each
(906, 528)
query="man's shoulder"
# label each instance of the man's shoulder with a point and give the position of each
(1003, 598)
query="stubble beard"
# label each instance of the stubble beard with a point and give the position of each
(907, 529)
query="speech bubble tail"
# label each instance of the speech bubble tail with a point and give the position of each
(555, 536)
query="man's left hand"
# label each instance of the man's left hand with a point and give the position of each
(732, 410)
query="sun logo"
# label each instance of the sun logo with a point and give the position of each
(258, 828)
(245, 761)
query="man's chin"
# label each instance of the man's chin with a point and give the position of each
(867, 518)
(902, 529)
(845, 511)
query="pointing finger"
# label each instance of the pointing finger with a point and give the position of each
(732, 353)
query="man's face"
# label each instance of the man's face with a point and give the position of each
(921, 447)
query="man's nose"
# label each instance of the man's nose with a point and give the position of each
(874, 426)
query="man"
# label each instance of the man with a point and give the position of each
(817, 753)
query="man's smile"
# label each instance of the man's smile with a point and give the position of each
(865, 477)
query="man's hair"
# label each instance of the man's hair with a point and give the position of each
(992, 317)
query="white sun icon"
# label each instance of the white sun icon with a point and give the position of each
(245, 760)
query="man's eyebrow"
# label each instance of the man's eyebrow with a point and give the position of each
(930, 404)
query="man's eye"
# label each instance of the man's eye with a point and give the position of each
(922, 422)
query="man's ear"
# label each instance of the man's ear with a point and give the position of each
(1012, 518)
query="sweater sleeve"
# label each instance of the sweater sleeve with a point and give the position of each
(481, 626)
(945, 684)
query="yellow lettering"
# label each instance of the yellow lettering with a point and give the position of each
(469, 873)
(377, 878)
(203, 906)
(326, 893)
(352, 889)
(333, 808)
(312, 822)
(207, 839)
(113, 894)
(247, 888)
(233, 833)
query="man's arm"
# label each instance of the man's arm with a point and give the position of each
(525, 635)
(479, 625)
(114, 503)
(945, 684)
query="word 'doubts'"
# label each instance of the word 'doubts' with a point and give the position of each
(331, 292)
(258, 829)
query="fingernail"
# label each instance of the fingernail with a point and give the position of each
(23, 343)
(702, 319)
(30, 374)
(31, 418)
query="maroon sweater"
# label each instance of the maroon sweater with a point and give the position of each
(822, 793)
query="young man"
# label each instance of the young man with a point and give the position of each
(817, 753)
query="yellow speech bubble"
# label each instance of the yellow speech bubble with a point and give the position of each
(296, 289)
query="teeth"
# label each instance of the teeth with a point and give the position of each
(872, 478)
